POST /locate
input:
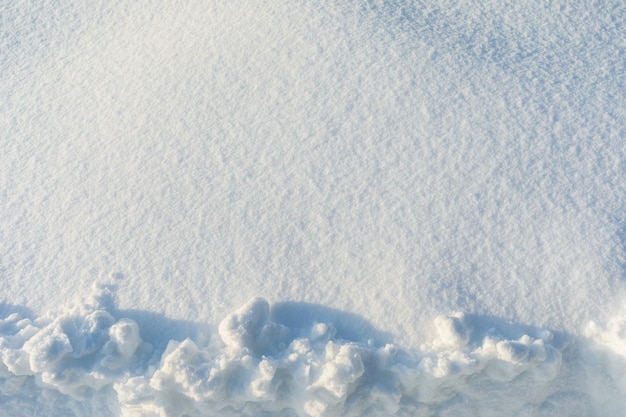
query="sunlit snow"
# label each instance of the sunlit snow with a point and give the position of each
(296, 208)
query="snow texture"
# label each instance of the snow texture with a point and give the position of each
(84, 362)
(430, 194)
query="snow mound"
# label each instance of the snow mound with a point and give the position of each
(84, 361)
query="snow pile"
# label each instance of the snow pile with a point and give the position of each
(315, 374)
(86, 362)
(79, 353)
(382, 163)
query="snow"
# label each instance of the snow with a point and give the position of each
(312, 209)
(255, 366)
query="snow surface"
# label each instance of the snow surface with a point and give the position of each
(296, 208)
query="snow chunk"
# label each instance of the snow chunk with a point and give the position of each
(452, 331)
(124, 338)
(92, 333)
(248, 328)
(47, 348)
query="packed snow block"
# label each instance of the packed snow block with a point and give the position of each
(182, 371)
(241, 328)
(124, 340)
(452, 331)
(47, 348)
(249, 328)
(92, 333)
(342, 367)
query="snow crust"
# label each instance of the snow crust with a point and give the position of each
(431, 195)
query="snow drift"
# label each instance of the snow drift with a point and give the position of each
(84, 361)
(431, 195)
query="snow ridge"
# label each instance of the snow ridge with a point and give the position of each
(84, 361)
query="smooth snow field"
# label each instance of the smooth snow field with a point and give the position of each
(312, 208)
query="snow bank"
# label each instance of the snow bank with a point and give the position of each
(84, 361)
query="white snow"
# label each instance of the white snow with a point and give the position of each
(310, 372)
(312, 208)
